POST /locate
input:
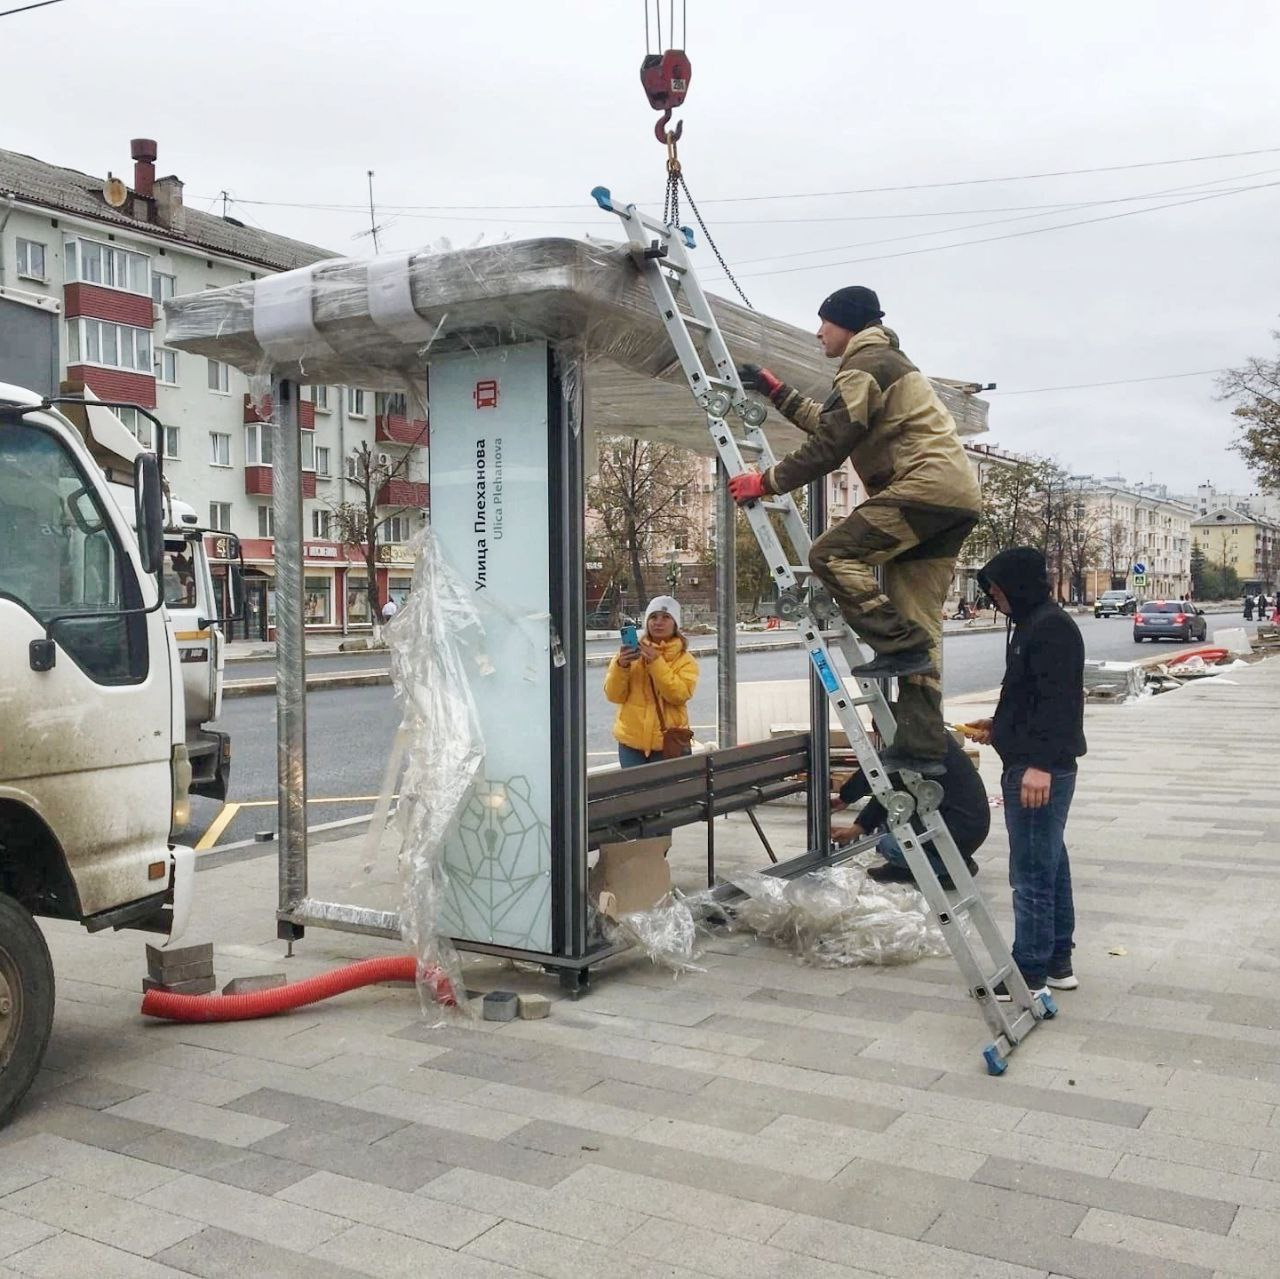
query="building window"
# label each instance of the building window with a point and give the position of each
(219, 377)
(317, 591)
(219, 448)
(162, 286)
(390, 404)
(353, 466)
(358, 599)
(257, 444)
(141, 428)
(321, 524)
(320, 398)
(266, 521)
(394, 529)
(681, 541)
(166, 366)
(220, 516)
(322, 462)
(171, 442)
(91, 262)
(355, 401)
(31, 260)
(113, 346)
(308, 451)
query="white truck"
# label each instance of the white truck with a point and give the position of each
(94, 765)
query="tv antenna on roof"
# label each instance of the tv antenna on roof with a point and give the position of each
(374, 225)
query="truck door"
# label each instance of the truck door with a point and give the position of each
(88, 742)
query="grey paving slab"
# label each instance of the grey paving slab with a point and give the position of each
(520, 1161)
(404, 1168)
(69, 1256)
(391, 1256)
(219, 1254)
(1110, 1193)
(1079, 1105)
(354, 1125)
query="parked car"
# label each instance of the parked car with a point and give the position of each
(1115, 604)
(1169, 619)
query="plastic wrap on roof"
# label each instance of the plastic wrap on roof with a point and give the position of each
(372, 322)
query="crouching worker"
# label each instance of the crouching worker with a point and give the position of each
(1038, 732)
(883, 415)
(651, 686)
(965, 809)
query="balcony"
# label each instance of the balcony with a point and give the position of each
(403, 493)
(306, 413)
(258, 482)
(396, 428)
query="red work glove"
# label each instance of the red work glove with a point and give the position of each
(754, 378)
(747, 487)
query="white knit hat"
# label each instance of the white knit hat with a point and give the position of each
(663, 604)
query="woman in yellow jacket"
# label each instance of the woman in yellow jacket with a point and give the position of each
(661, 667)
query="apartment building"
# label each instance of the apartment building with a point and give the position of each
(104, 256)
(1247, 543)
(1136, 524)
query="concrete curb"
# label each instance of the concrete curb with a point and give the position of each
(315, 683)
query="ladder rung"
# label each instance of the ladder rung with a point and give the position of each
(999, 975)
(749, 446)
(778, 505)
(965, 904)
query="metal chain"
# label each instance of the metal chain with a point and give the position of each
(671, 208)
(678, 177)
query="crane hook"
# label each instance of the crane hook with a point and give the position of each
(660, 129)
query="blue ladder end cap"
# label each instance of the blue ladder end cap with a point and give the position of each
(603, 197)
(996, 1065)
(689, 241)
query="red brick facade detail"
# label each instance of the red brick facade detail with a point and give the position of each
(397, 429)
(109, 304)
(259, 482)
(115, 384)
(403, 493)
(255, 412)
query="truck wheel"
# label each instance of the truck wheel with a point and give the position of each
(26, 1002)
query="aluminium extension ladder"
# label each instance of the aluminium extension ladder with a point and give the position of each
(661, 253)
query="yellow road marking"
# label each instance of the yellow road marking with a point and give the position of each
(316, 799)
(220, 823)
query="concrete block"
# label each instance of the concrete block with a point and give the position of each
(165, 964)
(534, 1007)
(501, 1005)
(251, 985)
(193, 986)
(353, 646)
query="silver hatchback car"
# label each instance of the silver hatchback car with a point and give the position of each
(1169, 619)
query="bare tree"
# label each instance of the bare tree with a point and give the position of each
(1013, 508)
(1082, 542)
(1255, 388)
(359, 523)
(636, 500)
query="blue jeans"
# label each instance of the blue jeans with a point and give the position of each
(889, 848)
(1044, 916)
(629, 757)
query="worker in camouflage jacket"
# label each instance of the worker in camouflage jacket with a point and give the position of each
(923, 499)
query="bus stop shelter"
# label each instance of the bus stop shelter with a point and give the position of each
(520, 356)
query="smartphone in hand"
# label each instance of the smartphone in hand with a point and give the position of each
(629, 637)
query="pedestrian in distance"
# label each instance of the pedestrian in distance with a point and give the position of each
(1261, 604)
(651, 685)
(1248, 608)
(389, 610)
(884, 416)
(1038, 732)
(965, 809)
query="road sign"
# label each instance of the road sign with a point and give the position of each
(1140, 570)
(1139, 579)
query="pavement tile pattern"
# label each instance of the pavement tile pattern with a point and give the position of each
(760, 1118)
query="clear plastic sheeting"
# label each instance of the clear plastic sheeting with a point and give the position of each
(667, 932)
(838, 918)
(374, 323)
(436, 649)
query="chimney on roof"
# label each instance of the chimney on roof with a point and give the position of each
(144, 166)
(170, 212)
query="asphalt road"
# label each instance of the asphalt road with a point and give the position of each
(349, 730)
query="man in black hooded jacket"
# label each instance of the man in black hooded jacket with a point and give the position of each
(1038, 731)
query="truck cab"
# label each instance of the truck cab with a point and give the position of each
(94, 768)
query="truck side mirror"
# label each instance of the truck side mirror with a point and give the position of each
(148, 498)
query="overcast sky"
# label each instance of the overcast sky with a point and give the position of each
(287, 103)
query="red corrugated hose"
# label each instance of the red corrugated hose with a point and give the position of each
(267, 1003)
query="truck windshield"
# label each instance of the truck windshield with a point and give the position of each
(179, 577)
(59, 555)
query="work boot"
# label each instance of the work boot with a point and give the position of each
(896, 665)
(896, 761)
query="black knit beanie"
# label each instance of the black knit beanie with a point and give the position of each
(852, 308)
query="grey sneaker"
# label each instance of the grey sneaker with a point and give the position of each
(1063, 980)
